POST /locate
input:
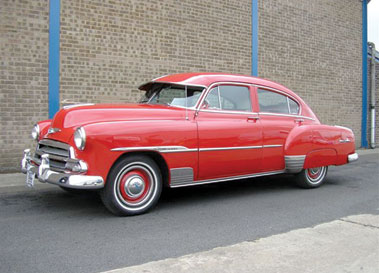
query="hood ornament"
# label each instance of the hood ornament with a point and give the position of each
(53, 130)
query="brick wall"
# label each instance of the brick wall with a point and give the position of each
(108, 48)
(314, 48)
(23, 75)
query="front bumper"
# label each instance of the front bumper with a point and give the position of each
(69, 180)
(352, 157)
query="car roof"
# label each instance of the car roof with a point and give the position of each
(206, 79)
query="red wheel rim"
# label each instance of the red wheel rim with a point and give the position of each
(314, 173)
(134, 185)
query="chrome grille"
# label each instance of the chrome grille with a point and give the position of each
(59, 153)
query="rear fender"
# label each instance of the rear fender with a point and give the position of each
(311, 146)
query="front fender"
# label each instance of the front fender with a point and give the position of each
(107, 141)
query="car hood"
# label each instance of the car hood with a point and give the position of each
(73, 117)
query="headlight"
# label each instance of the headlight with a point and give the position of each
(35, 132)
(80, 138)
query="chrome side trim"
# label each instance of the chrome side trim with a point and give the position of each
(272, 146)
(182, 149)
(162, 149)
(210, 181)
(294, 163)
(181, 176)
(345, 140)
(230, 148)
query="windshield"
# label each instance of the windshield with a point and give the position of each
(173, 95)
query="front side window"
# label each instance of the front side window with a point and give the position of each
(172, 95)
(272, 102)
(229, 98)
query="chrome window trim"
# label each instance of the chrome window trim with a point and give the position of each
(207, 90)
(180, 84)
(210, 87)
(285, 115)
(281, 92)
(289, 107)
(228, 112)
(209, 181)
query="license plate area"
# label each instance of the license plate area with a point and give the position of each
(30, 177)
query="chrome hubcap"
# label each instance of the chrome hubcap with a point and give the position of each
(315, 175)
(134, 186)
(314, 171)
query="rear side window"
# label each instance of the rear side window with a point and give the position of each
(272, 102)
(229, 98)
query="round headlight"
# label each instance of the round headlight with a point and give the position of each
(35, 132)
(80, 138)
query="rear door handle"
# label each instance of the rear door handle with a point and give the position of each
(299, 120)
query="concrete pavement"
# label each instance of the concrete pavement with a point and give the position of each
(349, 244)
(47, 230)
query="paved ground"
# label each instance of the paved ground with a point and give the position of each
(47, 230)
(347, 245)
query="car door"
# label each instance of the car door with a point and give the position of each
(279, 114)
(230, 133)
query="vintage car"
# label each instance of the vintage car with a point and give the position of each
(189, 129)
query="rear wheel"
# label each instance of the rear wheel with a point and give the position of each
(133, 186)
(312, 177)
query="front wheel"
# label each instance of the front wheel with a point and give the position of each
(134, 186)
(312, 177)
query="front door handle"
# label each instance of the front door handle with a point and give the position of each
(299, 120)
(253, 118)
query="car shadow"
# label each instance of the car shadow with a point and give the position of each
(55, 200)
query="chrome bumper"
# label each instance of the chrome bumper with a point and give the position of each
(352, 157)
(68, 180)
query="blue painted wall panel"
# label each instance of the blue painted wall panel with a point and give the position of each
(364, 142)
(254, 39)
(54, 28)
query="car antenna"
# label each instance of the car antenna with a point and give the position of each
(185, 88)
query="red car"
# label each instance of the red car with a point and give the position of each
(189, 129)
